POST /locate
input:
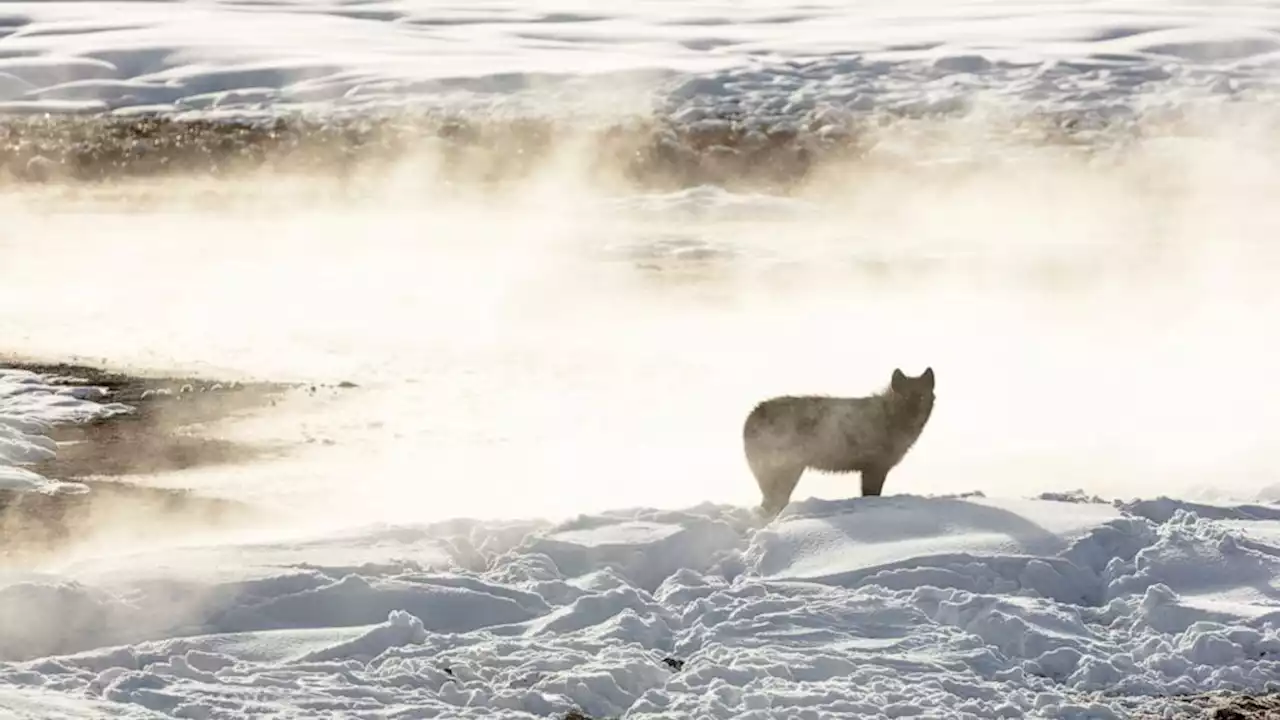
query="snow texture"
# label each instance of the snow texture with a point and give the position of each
(871, 607)
(768, 60)
(29, 408)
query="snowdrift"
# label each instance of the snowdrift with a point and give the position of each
(878, 607)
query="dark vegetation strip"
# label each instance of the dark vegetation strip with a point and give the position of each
(655, 153)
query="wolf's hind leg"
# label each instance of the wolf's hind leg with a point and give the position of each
(873, 481)
(776, 486)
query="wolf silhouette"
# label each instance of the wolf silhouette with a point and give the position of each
(783, 436)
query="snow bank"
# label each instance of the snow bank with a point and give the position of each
(29, 408)
(768, 59)
(878, 607)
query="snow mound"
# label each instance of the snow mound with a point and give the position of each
(30, 405)
(891, 606)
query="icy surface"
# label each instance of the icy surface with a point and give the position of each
(879, 607)
(29, 407)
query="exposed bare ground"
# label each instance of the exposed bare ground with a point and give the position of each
(1215, 706)
(1240, 708)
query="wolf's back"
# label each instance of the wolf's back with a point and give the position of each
(816, 431)
(786, 415)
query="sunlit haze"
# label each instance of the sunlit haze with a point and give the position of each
(1098, 321)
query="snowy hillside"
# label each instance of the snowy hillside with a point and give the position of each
(896, 606)
(764, 57)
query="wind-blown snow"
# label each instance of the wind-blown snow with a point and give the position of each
(876, 607)
(29, 407)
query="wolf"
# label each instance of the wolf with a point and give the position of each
(783, 436)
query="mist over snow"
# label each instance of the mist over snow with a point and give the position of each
(535, 500)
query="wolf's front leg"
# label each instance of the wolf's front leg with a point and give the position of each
(776, 485)
(873, 481)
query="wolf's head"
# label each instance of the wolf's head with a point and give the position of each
(915, 390)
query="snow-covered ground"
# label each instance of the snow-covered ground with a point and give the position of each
(535, 360)
(900, 606)
(1059, 606)
(765, 57)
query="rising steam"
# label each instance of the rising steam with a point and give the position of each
(1100, 316)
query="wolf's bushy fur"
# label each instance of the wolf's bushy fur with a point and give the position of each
(786, 435)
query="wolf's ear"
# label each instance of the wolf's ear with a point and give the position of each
(899, 380)
(928, 376)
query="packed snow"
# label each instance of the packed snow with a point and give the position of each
(443, 546)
